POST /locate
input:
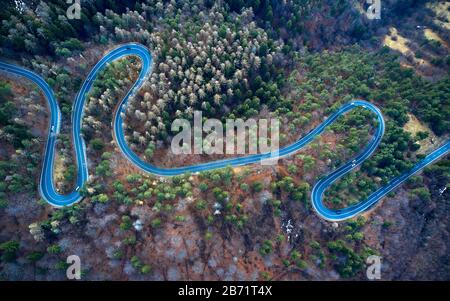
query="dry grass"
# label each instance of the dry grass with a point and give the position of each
(395, 41)
(414, 126)
(399, 43)
(240, 170)
(431, 35)
(442, 12)
(59, 167)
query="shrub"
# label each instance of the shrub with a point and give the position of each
(35, 256)
(54, 249)
(156, 223)
(266, 248)
(97, 144)
(257, 186)
(146, 269)
(9, 249)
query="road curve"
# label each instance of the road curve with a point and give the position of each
(49, 193)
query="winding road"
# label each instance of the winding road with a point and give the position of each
(49, 193)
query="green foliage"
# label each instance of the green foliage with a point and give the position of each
(422, 193)
(257, 186)
(179, 218)
(35, 256)
(72, 44)
(136, 262)
(358, 236)
(22, 167)
(133, 178)
(156, 223)
(64, 52)
(69, 173)
(126, 223)
(203, 187)
(140, 266)
(101, 198)
(104, 169)
(61, 265)
(149, 151)
(266, 248)
(265, 275)
(244, 186)
(296, 192)
(200, 205)
(130, 240)
(97, 144)
(295, 255)
(301, 264)
(387, 224)
(351, 71)
(9, 250)
(41, 30)
(208, 235)
(276, 204)
(54, 249)
(422, 135)
(3, 203)
(292, 169)
(146, 269)
(350, 264)
(117, 254)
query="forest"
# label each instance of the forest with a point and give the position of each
(296, 60)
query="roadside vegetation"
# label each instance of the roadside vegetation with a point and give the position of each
(295, 60)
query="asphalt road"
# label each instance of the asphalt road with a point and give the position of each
(49, 193)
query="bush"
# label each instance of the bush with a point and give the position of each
(422, 193)
(97, 144)
(126, 223)
(244, 186)
(35, 256)
(301, 264)
(180, 218)
(156, 223)
(9, 249)
(136, 262)
(146, 269)
(3, 203)
(102, 198)
(64, 52)
(266, 248)
(54, 249)
(203, 187)
(117, 254)
(208, 235)
(130, 240)
(387, 224)
(200, 205)
(257, 186)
